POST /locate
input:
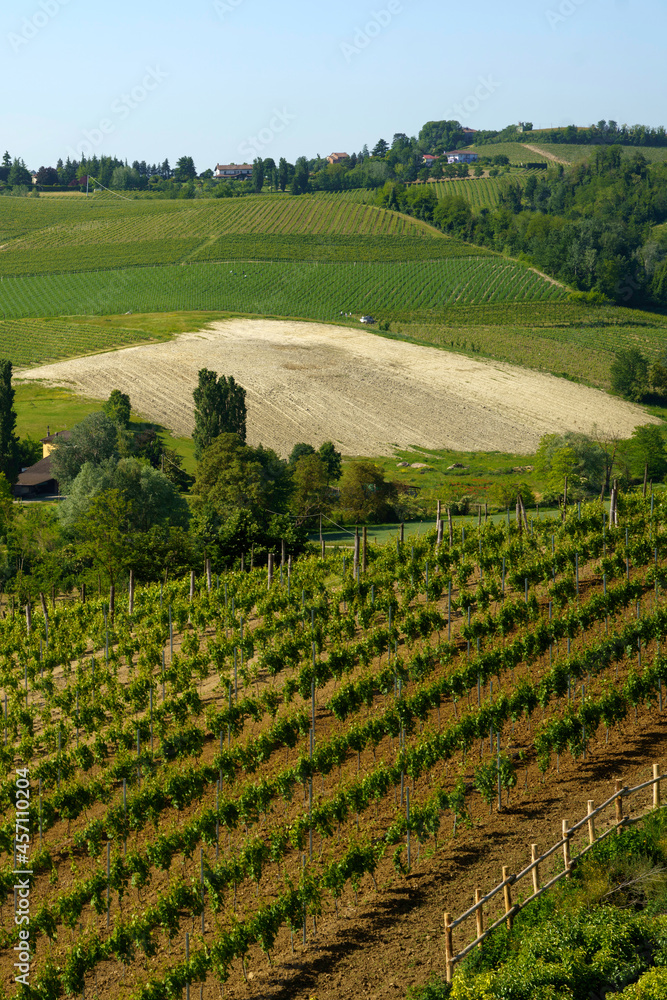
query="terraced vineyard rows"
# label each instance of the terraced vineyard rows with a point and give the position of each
(203, 718)
(314, 291)
(479, 192)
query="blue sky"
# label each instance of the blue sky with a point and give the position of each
(224, 80)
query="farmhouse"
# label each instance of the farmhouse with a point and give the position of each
(337, 157)
(37, 480)
(428, 159)
(461, 156)
(233, 171)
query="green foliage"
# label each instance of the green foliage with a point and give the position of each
(153, 499)
(630, 374)
(365, 495)
(219, 409)
(91, 442)
(118, 408)
(647, 451)
(576, 456)
(9, 444)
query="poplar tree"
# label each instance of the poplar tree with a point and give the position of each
(219, 409)
(9, 443)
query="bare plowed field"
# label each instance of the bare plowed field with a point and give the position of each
(313, 382)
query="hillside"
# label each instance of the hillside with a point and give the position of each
(313, 382)
(173, 746)
(101, 232)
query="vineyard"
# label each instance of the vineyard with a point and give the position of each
(92, 235)
(314, 291)
(479, 192)
(216, 769)
(32, 342)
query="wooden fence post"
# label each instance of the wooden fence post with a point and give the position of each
(282, 552)
(479, 916)
(591, 822)
(507, 893)
(449, 949)
(536, 869)
(130, 598)
(619, 806)
(566, 849)
(209, 582)
(656, 786)
(269, 572)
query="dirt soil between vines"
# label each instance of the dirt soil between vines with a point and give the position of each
(369, 394)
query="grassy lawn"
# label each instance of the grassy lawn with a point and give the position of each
(38, 407)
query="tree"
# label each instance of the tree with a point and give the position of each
(94, 440)
(647, 449)
(629, 374)
(118, 408)
(332, 461)
(104, 530)
(576, 456)
(185, 169)
(311, 486)
(364, 493)
(9, 443)
(19, 175)
(381, 148)
(152, 498)
(301, 179)
(47, 176)
(258, 175)
(298, 451)
(283, 173)
(219, 409)
(232, 475)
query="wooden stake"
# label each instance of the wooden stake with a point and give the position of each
(449, 948)
(112, 602)
(355, 569)
(269, 572)
(451, 527)
(536, 869)
(591, 822)
(364, 553)
(507, 893)
(192, 585)
(656, 786)
(566, 849)
(619, 805)
(402, 532)
(28, 617)
(209, 582)
(479, 916)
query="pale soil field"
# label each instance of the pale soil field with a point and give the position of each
(314, 382)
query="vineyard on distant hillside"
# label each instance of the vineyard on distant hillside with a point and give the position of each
(209, 773)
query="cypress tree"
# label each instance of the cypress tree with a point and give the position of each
(9, 443)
